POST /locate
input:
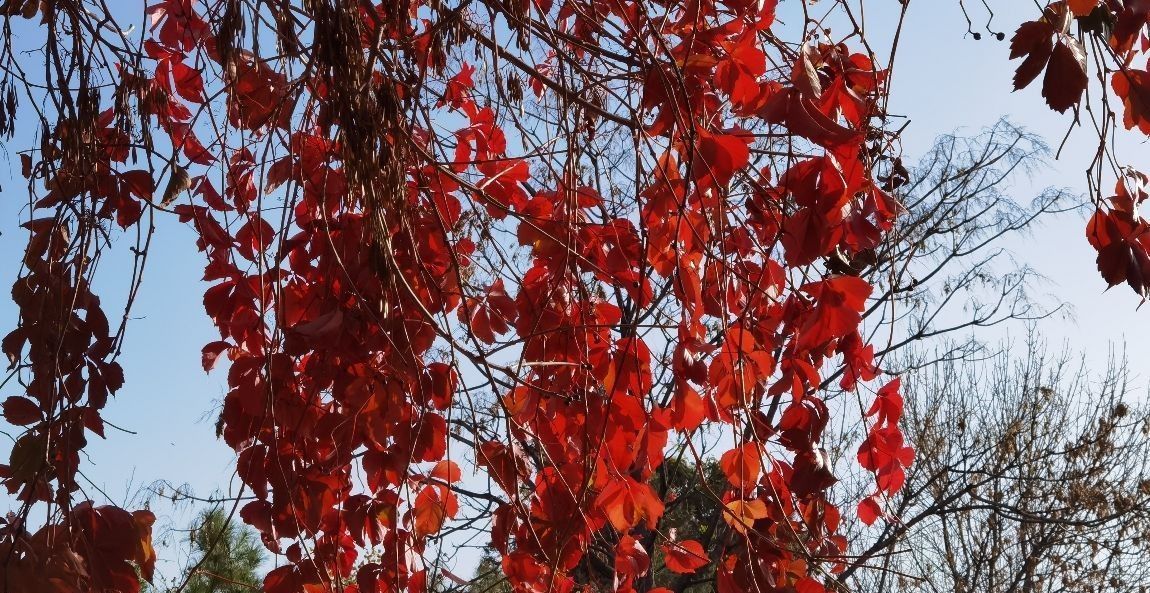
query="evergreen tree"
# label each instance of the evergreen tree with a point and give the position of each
(226, 557)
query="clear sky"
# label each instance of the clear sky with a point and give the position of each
(944, 80)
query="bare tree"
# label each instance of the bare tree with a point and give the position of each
(1032, 476)
(947, 268)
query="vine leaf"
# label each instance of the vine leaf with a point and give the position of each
(1062, 57)
(685, 557)
(1131, 86)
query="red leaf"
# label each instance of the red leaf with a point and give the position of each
(503, 465)
(139, 183)
(631, 558)
(284, 579)
(1034, 40)
(689, 410)
(278, 173)
(254, 237)
(742, 466)
(1082, 8)
(211, 352)
(448, 471)
(812, 473)
(438, 385)
(626, 503)
(869, 510)
(802, 117)
(1065, 79)
(432, 508)
(840, 301)
(189, 83)
(809, 585)
(431, 439)
(112, 373)
(888, 405)
(21, 411)
(93, 421)
(1133, 87)
(493, 315)
(720, 156)
(685, 557)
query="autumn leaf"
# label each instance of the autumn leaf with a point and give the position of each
(447, 470)
(433, 506)
(742, 466)
(720, 156)
(254, 237)
(1060, 54)
(869, 510)
(1065, 79)
(284, 579)
(1132, 86)
(490, 316)
(211, 353)
(888, 404)
(684, 557)
(21, 411)
(688, 408)
(1034, 40)
(1081, 8)
(838, 309)
(430, 438)
(631, 558)
(627, 503)
(145, 555)
(1121, 256)
(741, 514)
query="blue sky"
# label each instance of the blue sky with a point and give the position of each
(944, 80)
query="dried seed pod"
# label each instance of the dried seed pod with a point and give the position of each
(514, 88)
(178, 183)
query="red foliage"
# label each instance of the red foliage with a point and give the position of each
(383, 222)
(684, 557)
(1118, 31)
(335, 311)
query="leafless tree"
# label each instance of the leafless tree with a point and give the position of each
(1032, 476)
(947, 269)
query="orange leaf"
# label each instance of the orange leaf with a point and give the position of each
(433, 507)
(626, 503)
(447, 470)
(1131, 86)
(1082, 7)
(742, 466)
(145, 557)
(742, 514)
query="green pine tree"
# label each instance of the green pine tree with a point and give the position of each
(226, 556)
(489, 576)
